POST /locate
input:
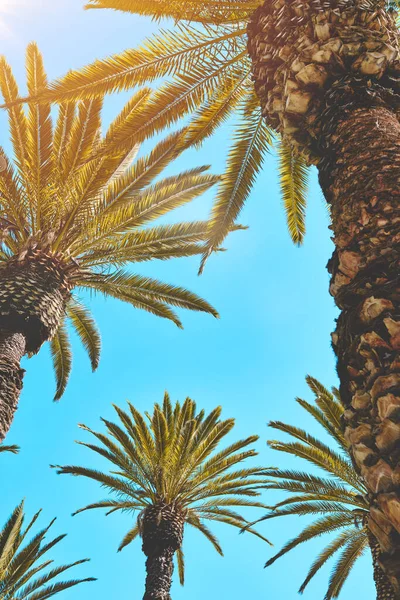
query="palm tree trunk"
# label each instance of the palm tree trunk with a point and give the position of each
(162, 535)
(12, 349)
(384, 590)
(327, 74)
(159, 568)
(360, 175)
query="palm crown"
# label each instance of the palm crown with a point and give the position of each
(170, 465)
(207, 56)
(23, 574)
(79, 204)
(338, 503)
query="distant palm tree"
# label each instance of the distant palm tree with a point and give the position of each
(338, 503)
(23, 574)
(75, 210)
(168, 472)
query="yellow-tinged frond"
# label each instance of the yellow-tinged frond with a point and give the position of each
(144, 288)
(252, 140)
(164, 54)
(17, 121)
(62, 132)
(62, 359)
(293, 177)
(84, 130)
(203, 11)
(40, 132)
(86, 329)
(218, 108)
(162, 242)
(351, 553)
(173, 100)
(181, 565)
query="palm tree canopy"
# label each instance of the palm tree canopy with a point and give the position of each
(83, 196)
(23, 572)
(172, 458)
(337, 501)
(206, 57)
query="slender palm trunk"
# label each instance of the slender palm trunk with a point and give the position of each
(384, 590)
(159, 569)
(12, 349)
(162, 535)
(360, 175)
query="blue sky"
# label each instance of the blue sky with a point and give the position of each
(276, 319)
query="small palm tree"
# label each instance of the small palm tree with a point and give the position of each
(23, 574)
(73, 214)
(338, 503)
(167, 471)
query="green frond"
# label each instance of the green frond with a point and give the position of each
(293, 176)
(22, 573)
(341, 540)
(197, 524)
(252, 140)
(181, 565)
(351, 553)
(86, 329)
(151, 293)
(129, 537)
(340, 500)
(61, 353)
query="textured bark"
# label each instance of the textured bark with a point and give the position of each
(159, 568)
(162, 535)
(359, 174)
(12, 349)
(327, 74)
(384, 589)
(35, 287)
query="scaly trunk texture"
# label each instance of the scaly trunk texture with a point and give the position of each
(34, 289)
(328, 77)
(359, 175)
(384, 590)
(162, 535)
(12, 349)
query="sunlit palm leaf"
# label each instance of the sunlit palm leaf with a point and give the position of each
(293, 177)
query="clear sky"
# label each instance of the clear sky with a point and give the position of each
(276, 319)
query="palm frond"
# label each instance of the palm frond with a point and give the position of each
(62, 359)
(293, 175)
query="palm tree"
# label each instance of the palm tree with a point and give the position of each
(326, 79)
(73, 215)
(23, 574)
(338, 503)
(168, 472)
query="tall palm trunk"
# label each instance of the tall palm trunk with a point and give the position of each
(327, 75)
(384, 590)
(34, 289)
(162, 535)
(12, 349)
